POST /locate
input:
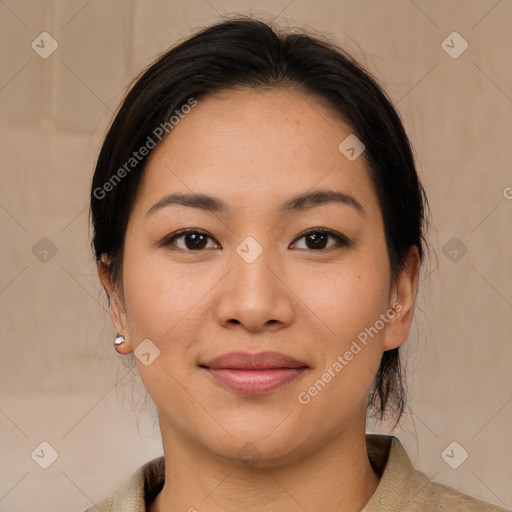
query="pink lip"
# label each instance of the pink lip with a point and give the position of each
(254, 373)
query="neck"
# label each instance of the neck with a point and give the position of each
(337, 477)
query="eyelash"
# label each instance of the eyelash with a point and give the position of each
(341, 240)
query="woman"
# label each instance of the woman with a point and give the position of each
(259, 228)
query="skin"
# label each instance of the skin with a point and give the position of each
(254, 150)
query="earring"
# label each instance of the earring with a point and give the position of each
(120, 339)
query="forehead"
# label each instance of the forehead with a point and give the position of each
(259, 145)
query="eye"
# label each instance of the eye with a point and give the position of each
(314, 239)
(190, 240)
(317, 239)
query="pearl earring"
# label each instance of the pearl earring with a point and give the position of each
(120, 339)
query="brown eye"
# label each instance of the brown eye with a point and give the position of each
(318, 239)
(190, 240)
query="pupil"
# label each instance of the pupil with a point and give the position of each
(318, 240)
(195, 241)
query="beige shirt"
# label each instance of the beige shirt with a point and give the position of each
(401, 487)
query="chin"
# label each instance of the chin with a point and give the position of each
(258, 441)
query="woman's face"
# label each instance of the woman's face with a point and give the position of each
(249, 279)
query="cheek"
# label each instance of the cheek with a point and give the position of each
(348, 296)
(349, 302)
(163, 299)
(164, 304)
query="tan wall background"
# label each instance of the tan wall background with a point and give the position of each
(61, 381)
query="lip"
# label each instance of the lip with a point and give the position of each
(254, 373)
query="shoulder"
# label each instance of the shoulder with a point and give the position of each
(448, 499)
(103, 506)
(406, 489)
(424, 494)
(140, 488)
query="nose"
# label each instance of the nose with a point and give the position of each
(254, 296)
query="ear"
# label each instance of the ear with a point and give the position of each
(115, 303)
(402, 298)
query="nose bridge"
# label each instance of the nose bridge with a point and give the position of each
(252, 262)
(253, 295)
(249, 250)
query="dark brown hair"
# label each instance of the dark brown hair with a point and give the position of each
(247, 53)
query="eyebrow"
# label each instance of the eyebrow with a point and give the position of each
(299, 202)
